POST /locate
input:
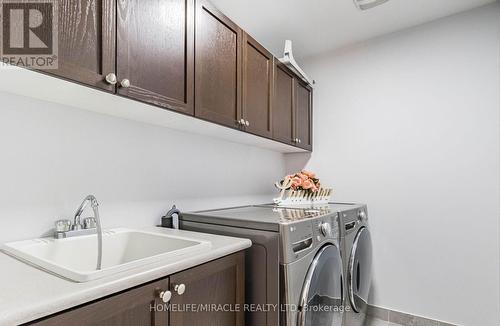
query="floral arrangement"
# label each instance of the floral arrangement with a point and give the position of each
(302, 188)
(303, 180)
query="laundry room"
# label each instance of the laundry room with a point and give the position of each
(250, 162)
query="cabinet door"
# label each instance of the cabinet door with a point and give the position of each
(131, 308)
(283, 110)
(257, 88)
(155, 52)
(86, 41)
(220, 282)
(303, 113)
(217, 66)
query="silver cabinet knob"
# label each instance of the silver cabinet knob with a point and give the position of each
(180, 289)
(111, 78)
(299, 141)
(125, 83)
(247, 123)
(241, 122)
(165, 296)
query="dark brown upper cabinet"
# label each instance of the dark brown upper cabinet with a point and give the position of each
(257, 87)
(284, 105)
(86, 42)
(155, 52)
(217, 66)
(187, 56)
(303, 114)
(130, 308)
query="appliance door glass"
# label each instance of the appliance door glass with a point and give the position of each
(360, 266)
(321, 299)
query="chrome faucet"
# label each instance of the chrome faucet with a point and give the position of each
(90, 225)
(173, 214)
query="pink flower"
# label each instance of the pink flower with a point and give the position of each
(309, 174)
(296, 182)
(303, 176)
(307, 184)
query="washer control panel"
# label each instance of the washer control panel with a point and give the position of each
(327, 227)
(298, 239)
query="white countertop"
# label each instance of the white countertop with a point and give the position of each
(27, 293)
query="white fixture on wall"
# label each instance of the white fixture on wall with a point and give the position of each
(368, 4)
(290, 62)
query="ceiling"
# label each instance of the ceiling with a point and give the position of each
(317, 26)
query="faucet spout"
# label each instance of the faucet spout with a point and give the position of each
(77, 224)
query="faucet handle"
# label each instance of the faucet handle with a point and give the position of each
(89, 223)
(63, 225)
(173, 214)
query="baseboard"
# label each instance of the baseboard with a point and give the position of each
(402, 318)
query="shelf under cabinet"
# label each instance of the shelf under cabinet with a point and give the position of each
(44, 87)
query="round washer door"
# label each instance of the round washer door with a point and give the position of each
(321, 298)
(360, 270)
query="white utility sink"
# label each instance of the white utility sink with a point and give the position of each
(75, 258)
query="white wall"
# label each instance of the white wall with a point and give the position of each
(409, 124)
(51, 156)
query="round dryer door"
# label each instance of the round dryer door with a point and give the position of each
(359, 273)
(321, 298)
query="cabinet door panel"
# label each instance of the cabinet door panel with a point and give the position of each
(304, 115)
(155, 52)
(86, 41)
(219, 282)
(130, 308)
(217, 62)
(283, 110)
(257, 87)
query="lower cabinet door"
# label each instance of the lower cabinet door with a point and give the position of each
(139, 306)
(212, 294)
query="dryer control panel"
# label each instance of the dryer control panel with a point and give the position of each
(352, 219)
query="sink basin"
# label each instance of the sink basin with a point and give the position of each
(123, 249)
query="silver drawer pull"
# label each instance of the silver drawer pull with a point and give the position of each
(165, 296)
(125, 83)
(111, 78)
(180, 289)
